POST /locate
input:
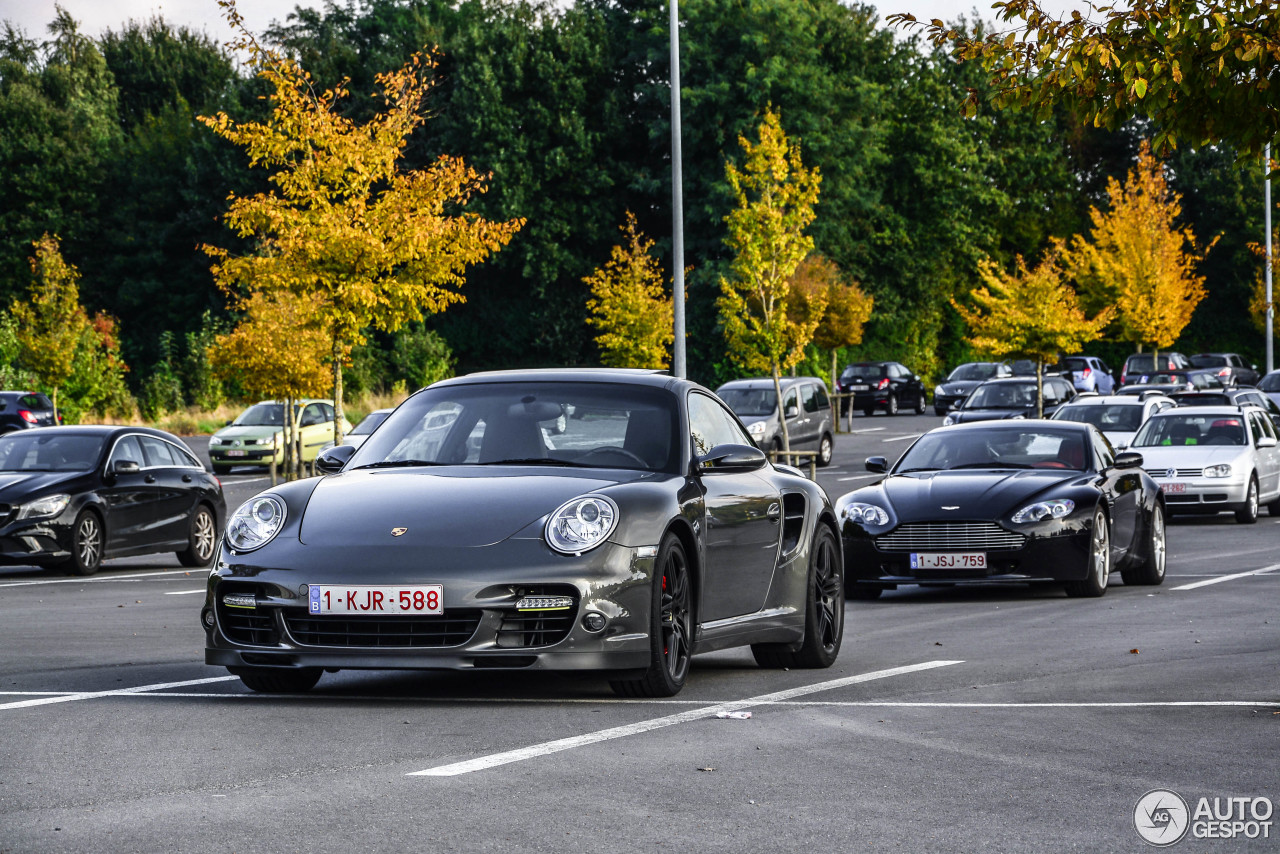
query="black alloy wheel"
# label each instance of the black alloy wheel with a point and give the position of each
(87, 539)
(826, 448)
(920, 404)
(1099, 566)
(202, 538)
(824, 612)
(1151, 570)
(1248, 512)
(273, 680)
(891, 405)
(671, 627)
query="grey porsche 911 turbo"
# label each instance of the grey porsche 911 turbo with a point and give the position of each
(588, 520)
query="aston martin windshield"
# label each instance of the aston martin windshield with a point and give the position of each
(1037, 447)
(750, 401)
(559, 423)
(1191, 429)
(43, 452)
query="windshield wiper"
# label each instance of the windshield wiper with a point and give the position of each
(921, 468)
(991, 465)
(535, 461)
(387, 464)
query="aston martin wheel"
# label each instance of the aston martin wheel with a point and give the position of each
(202, 539)
(671, 627)
(824, 612)
(1151, 570)
(825, 449)
(1247, 513)
(269, 680)
(891, 405)
(86, 544)
(1099, 567)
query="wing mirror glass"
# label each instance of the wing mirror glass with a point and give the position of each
(1128, 460)
(879, 465)
(331, 460)
(125, 467)
(732, 458)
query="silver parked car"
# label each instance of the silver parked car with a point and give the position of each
(806, 406)
(1208, 459)
(1118, 416)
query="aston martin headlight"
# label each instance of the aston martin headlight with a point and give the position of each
(581, 524)
(866, 514)
(1223, 470)
(50, 505)
(255, 522)
(1055, 508)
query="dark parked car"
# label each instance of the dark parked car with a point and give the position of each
(1174, 382)
(810, 424)
(1010, 501)
(1012, 397)
(73, 496)
(1230, 367)
(890, 386)
(1270, 386)
(650, 530)
(366, 426)
(1146, 363)
(964, 379)
(23, 410)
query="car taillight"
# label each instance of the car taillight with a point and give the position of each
(25, 415)
(1225, 372)
(1085, 373)
(884, 383)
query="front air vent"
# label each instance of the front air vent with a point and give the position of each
(452, 628)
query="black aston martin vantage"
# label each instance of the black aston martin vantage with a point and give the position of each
(1024, 501)
(589, 520)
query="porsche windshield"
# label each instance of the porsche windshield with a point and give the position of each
(999, 448)
(45, 452)
(594, 425)
(1191, 429)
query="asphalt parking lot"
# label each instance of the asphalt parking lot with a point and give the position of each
(988, 718)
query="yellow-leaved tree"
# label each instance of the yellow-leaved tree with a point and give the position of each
(630, 306)
(775, 196)
(1138, 260)
(49, 326)
(275, 353)
(364, 242)
(1258, 305)
(846, 307)
(1032, 313)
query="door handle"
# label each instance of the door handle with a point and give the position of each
(149, 479)
(186, 478)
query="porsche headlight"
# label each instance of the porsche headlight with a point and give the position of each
(1223, 470)
(866, 514)
(581, 524)
(255, 522)
(1055, 508)
(50, 505)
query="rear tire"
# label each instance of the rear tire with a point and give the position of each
(1151, 570)
(202, 539)
(1248, 513)
(825, 450)
(920, 404)
(1095, 584)
(891, 405)
(670, 627)
(266, 680)
(824, 612)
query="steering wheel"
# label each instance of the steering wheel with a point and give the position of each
(606, 450)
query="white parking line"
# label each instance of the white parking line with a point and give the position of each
(183, 592)
(536, 750)
(857, 477)
(101, 579)
(902, 438)
(119, 692)
(868, 430)
(1221, 578)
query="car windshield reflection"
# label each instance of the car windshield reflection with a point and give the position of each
(1002, 448)
(63, 452)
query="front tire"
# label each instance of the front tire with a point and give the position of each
(267, 680)
(920, 404)
(670, 627)
(825, 450)
(202, 539)
(1095, 584)
(1151, 570)
(824, 612)
(891, 405)
(1248, 513)
(87, 539)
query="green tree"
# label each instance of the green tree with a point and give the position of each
(1202, 70)
(369, 244)
(630, 305)
(49, 325)
(421, 356)
(843, 308)
(97, 381)
(776, 195)
(1032, 313)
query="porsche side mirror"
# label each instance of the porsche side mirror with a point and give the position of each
(879, 465)
(732, 458)
(331, 460)
(1128, 460)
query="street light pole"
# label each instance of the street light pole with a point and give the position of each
(678, 366)
(1271, 311)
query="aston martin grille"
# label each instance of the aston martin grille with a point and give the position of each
(453, 628)
(949, 536)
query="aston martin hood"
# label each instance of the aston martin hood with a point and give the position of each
(436, 509)
(972, 494)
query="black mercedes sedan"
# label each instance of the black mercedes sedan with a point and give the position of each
(1010, 397)
(72, 496)
(479, 528)
(1022, 501)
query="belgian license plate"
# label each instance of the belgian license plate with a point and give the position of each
(380, 599)
(1173, 488)
(949, 560)
(236, 453)
(859, 387)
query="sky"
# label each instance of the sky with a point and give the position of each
(96, 16)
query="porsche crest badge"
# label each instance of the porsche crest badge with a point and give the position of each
(396, 532)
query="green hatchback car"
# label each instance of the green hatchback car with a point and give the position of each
(258, 432)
